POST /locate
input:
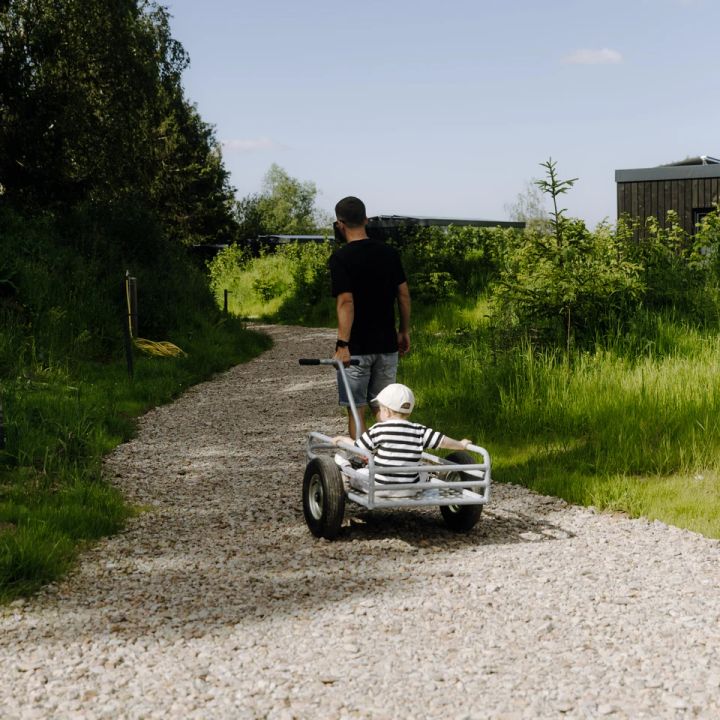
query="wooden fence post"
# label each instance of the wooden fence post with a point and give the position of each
(129, 327)
(132, 304)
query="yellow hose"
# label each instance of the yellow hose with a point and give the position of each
(163, 348)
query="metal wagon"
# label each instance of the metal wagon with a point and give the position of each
(458, 484)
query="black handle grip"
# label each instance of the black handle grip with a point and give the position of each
(315, 361)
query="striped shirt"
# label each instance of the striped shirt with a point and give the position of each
(398, 442)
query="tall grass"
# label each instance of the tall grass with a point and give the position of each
(631, 424)
(290, 284)
(618, 428)
(259, 291)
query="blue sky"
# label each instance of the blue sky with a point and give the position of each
(447, 109)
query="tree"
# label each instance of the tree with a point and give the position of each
(92, 112)
(569, 281)
(191, 190)
(529, 207)
(79, 88)
(556, 187)
(284, 206)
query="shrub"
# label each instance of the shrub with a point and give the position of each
(310, 298)
(453, 260)
(569, 283)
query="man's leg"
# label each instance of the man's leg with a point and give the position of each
(383, 373)
(358, 377)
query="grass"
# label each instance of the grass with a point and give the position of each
(617, 428)
(59, 422)
(261, 289)
(288, 285)
(631, 425)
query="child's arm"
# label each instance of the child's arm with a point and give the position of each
(448, 443)
(343, 438)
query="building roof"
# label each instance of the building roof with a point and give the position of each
(702, 166)
(393, 221)
(699, 160)
(284, 238)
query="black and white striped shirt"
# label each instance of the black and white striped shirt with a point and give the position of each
(398, 442)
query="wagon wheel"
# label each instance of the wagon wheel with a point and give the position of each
(323, 497)
(460, 518)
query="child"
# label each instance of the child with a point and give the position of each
(395, 440)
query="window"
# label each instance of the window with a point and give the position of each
(699, 214)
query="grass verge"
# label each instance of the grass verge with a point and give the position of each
(60, 421)
(631, 426)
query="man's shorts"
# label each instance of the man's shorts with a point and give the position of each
(367, 379)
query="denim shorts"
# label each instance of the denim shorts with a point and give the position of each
(367, 379)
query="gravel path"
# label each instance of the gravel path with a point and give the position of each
(218, 603)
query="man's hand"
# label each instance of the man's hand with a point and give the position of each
(403, 339)
(343, 355)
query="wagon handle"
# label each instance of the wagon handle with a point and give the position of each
(332, 361)
(343, 377)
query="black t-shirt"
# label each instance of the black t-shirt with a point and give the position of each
(371, 271)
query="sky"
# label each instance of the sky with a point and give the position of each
(448, 108)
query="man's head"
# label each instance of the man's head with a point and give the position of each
(396, 398)
(351, 212)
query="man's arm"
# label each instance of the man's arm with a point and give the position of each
(403, 300)
(345, 308)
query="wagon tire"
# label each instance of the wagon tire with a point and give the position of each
(460, 518)
(323, 498)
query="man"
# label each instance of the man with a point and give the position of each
(367, 281)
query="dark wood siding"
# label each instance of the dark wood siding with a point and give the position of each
(655, 198)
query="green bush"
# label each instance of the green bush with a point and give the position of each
(290, 284)
(670, 272)
(64, 280)
(309, 300)
(559, 293)
(568, 284)
(453, 260)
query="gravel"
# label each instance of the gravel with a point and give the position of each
(216, 602)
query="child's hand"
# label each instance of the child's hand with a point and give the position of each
(465, 442)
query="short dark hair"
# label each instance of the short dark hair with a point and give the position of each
(351, 211)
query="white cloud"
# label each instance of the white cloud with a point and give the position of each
(244, 146)
(604, 56)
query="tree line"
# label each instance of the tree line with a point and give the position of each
(92, 111)
(106, 165)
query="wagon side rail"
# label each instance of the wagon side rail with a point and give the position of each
(474, 491)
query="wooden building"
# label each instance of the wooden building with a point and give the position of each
(690, 187)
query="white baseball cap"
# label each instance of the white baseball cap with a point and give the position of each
(397, 397)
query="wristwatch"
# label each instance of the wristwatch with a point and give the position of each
(341, 344)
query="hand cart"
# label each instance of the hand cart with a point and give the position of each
(458, 484)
